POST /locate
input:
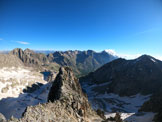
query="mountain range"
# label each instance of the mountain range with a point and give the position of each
(33, 87)
(81, 62)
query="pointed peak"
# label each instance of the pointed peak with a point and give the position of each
(146, 57)
(65, 69)
(64, 84)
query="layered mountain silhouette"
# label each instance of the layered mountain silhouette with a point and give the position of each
(81, 62)
(130, 77)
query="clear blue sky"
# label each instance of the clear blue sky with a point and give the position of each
(127, 26)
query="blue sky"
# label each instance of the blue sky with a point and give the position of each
(126, 26)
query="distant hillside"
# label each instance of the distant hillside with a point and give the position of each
(10, 61)
(82, 62)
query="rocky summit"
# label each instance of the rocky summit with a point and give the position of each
(67, 103)
(29, 57)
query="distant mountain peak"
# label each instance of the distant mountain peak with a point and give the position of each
(146, 57)
(110, 51)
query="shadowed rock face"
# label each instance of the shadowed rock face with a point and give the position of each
(67, 103)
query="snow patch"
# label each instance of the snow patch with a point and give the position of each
(16, 106)
(153, 60)
(111, 52)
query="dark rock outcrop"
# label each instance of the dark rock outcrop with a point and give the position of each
(154, 105)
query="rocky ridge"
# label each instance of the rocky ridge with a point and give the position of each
(66, 103)
(81, 62)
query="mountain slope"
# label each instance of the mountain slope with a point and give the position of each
(129, 77)
(126, 79)
(10, 61)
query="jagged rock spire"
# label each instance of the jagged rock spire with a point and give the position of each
(64, 85)
(67, 102)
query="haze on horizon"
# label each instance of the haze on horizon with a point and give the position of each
(129, 27)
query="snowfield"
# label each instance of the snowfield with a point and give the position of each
(110, 103)
(16, 106)
(13, 82)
